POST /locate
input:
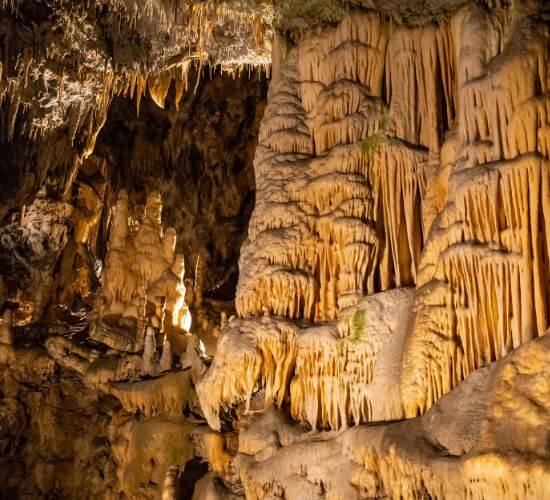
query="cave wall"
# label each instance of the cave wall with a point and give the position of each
(392, 158)
(391, 196)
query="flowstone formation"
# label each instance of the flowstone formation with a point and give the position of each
(455, 450)
(400, 243)
(384, 332)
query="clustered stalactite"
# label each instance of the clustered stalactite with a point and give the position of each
(483, 284)
(392, 156)
(356, 185)
(63, 63)
(338, 228)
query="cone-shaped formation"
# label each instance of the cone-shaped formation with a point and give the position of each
(142, 265)
(332, 222)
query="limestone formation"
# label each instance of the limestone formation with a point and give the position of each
(142, 263)
(483, 281)
(384, 333)
(454, 451)
(335, 374)
(351, 203)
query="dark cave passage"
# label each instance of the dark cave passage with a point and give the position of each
(200, 160)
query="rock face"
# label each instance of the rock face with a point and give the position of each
(383, 334)
(392, 156)
(455, 450)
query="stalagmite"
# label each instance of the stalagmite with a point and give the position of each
(166, 358)
(133, 267)
(150, 356)
(170, 485)
(190, 359)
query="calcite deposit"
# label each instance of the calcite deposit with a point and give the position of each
(392, 156)
(275, 249)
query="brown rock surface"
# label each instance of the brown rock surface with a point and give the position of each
(338, 290)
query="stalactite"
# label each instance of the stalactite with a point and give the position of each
(319, 241)
(484, 301)
(420, 68)
(249, 354)
(167, 395)
(484, 272)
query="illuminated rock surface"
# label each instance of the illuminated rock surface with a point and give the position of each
(274, 249)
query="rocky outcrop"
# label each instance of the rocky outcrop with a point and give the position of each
(454, 450)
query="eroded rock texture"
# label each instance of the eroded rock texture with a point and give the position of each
(338, 291)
